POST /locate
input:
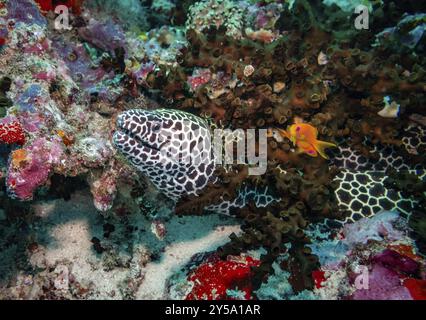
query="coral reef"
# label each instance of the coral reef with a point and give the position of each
(338, 87)
(31, 167)
(306, 227)
(130, 13)
(375, 260)
(217, 279)
(371, 259)
(11, 132)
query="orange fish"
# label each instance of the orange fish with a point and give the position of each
(304, 136)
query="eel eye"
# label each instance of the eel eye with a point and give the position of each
(156, 127)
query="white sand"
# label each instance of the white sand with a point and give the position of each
(65, 230)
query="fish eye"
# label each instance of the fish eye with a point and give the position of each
(156, 127)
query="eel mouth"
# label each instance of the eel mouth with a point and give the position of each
(123, 134)
(139, 141)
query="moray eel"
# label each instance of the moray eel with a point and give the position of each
(362, 191)
(172, 148)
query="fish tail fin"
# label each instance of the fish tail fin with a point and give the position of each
(284, 133)
(298, 120)
(320, 146)
(310, 152)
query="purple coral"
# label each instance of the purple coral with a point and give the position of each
(383, 284)
(4, 33)
(265, 17)
(397, 262)
(25, 11)
(31, 97)
(80, 68)
(106, 36)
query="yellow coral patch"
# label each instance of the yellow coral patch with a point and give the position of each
(19, 158)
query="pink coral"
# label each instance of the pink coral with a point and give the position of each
(104, 191)
(41, 155)
(198, 78)
(384, 284)
(38, 48)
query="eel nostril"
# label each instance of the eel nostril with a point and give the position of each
(119, 121)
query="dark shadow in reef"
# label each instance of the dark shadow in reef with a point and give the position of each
(13, 240)
(17, 236)
(71, 200)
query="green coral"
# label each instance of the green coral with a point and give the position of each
(350, 5)
(218, 13)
